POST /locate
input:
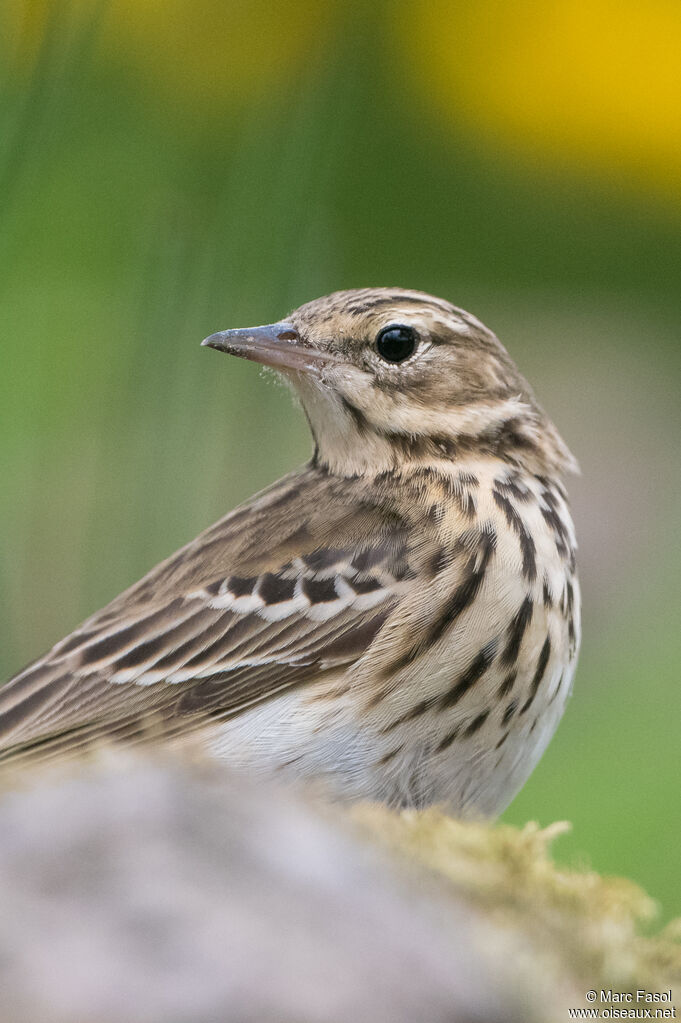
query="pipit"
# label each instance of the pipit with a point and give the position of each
(398, 620)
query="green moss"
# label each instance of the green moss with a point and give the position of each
(582, 931)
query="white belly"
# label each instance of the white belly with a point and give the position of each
(291, 736)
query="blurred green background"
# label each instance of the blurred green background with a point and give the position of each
(168, 169)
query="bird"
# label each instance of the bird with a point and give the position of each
(396, 621)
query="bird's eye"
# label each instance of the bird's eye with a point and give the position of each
(396, 343)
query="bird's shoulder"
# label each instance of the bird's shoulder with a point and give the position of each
(309, 518)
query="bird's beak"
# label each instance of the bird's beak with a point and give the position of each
(277, 345)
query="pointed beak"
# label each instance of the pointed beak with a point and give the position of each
(277, 345)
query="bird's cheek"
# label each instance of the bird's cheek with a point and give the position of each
(352, 383)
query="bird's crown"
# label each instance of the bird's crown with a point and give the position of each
(388, 375)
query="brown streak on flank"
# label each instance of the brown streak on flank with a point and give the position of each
(390, 756)
(422, 707)
(572, 638)
(548, 492)
(546, 594)
(516, 631)
(507, 684)
(461, 599)
(509, 712)
(473, 674)
(477, 723)
(539, 673)
(527, 544)
(554, 521)
(558, 688)
(502, 740)
(448, 739)
(569, 597)
(511, 486)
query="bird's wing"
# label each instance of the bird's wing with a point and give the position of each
(294, 584)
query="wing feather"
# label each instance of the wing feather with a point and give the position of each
(230, 620)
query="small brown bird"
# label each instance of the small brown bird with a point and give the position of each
(398, 620)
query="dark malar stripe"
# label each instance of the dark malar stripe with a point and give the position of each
(358, 417)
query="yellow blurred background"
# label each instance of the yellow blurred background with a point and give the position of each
(171, 169)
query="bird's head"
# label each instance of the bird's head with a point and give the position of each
(387, 375)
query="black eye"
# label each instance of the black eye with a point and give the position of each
(396, 343)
